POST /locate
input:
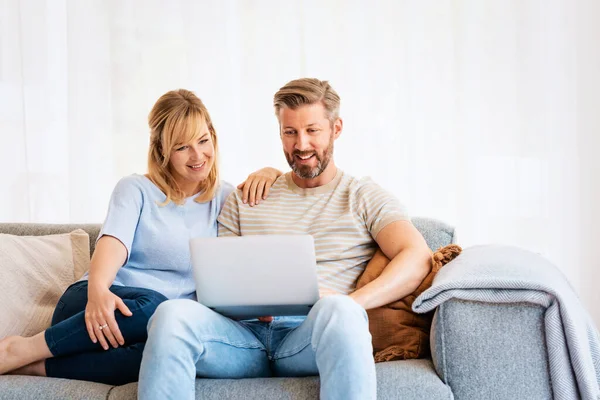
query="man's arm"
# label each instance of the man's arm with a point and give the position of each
(228, 222)
(410, 263)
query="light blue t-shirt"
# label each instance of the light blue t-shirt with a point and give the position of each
(157, 238)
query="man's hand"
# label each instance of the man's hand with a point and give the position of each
(410, 263)
(324, 292)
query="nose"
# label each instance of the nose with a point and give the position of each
(302, 142)
(196, 152)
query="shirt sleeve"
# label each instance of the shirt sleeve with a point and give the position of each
(124, 211)
(226, 189)
(229, 220)
(377, 207)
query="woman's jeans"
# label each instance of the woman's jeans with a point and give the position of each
(187, 339)
(77, 357)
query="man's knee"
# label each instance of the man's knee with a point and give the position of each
(172, 315)
(340, 306)
(340, 320)
(341, 327)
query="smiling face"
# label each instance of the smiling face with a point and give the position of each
(184, 151)
(190, 163)
(307, 136)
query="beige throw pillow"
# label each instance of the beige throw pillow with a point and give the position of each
(34, 272)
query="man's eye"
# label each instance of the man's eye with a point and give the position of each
(312, 130)
(289, 132)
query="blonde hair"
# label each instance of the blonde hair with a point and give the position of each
(176, 118)
(308, 91)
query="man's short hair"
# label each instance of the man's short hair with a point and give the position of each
(307, 91)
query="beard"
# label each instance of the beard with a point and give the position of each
(306, 171)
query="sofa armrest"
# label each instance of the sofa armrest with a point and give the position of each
(500, 277)
(491, 351)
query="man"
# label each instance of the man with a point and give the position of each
(348, 219)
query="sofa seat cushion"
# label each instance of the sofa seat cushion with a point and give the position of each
(407, 379)
(13, 387)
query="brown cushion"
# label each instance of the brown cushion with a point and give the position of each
(398, 332)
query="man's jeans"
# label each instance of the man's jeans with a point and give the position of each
(186, 339)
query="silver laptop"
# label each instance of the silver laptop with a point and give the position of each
(251, 276)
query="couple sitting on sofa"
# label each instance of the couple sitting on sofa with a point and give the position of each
(142, 259)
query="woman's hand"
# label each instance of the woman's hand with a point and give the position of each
(100, 316)
(256, 187)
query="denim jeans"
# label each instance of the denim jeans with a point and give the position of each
(187, 339)
(77, 357)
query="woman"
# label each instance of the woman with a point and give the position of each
(98, 329)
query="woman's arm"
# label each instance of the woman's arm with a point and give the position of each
(112, 252)
(109, 256)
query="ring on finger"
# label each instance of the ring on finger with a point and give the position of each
(103, 326)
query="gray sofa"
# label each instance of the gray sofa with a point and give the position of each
(479, 351)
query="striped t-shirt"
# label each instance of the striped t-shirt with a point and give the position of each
(343, 216)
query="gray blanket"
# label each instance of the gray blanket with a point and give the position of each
(504, 274)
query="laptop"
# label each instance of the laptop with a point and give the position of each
(246, 277)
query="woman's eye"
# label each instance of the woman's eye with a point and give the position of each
(203, 141)
(181, 148)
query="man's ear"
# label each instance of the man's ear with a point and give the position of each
(337, 128)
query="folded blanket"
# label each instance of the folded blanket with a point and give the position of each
(504, 274)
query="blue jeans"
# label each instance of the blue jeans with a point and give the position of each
(187, 339)
(77, 357)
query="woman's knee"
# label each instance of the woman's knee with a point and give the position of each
(72, 301)
(146, 301)
(154, 299)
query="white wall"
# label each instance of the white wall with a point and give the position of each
(588, 136)
(480, 113)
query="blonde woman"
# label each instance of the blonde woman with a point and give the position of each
(142, 257)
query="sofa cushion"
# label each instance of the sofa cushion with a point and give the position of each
(410, 379)
(36, 229)
(36, 270)
(13, 387)
(398, 332)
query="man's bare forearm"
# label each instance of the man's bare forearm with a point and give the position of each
(401, 277)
